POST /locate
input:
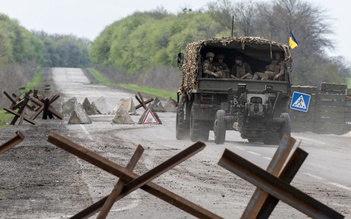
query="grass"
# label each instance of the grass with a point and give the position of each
(98, 76)
(6, 118)
(34, 83)
(153, 92)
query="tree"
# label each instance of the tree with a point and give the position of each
(274, 20)
(63, 50)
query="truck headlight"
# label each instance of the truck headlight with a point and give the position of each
(256, 100)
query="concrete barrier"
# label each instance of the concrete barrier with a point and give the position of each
(88, 107)
(127, 104)
(122, 117)
(170, 105)
(157, 106)
(101, 105)
(69, 105)
(79, 116)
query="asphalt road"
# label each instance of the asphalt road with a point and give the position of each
(325, 175)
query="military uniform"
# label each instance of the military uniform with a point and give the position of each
(241, 70)
(221, 68)
(276, 67)
(208, 68)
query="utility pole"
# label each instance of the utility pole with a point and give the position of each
(233, 20)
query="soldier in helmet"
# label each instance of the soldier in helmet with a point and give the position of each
(220, 66)
(241, 70)
(208, 68)
(274, 70)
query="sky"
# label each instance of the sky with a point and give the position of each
(88, 18)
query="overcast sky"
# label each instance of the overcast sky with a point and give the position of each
(87, 18)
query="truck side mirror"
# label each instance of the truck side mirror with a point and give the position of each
(180, 59)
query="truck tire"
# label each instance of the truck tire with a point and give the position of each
(182, 127)
(271, 136)
(219, 127)
(285, 129)
(199, 130)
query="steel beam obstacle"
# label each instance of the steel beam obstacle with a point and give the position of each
(12, 142)
(133, 181)
(41, 104)
(274, 184)
(141, 101)
(44, 106)
(21, 106)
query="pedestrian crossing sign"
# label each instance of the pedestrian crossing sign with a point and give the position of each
(300, 101)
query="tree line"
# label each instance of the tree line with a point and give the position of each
(23, 51)
(142, 47)
(137, 44)
(18, 45)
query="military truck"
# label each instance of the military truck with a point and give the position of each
(258, 109)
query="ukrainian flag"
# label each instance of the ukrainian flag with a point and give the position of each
(292, 41)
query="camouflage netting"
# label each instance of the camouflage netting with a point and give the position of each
(190, 65)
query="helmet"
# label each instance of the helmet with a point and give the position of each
(220, 56)
(239, 58)
(210, 54)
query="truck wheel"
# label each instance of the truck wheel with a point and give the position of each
(219, 127)
(199, 130)
(271, 135)
(286, 126)
(182, 128)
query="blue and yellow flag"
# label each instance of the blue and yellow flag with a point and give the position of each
(292, 41)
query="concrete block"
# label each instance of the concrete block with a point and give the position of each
(127, 104)
(79, 116)
(88, 107)
(69, 105)
(122, 117)
(170, 105)
(100, 105)
(157, 106)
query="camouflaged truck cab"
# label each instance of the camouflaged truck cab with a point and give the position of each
(255, 108)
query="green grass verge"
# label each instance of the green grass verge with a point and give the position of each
(98, 76)
(153, 92)
(6, 118)
(34, 83)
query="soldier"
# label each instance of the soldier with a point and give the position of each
(273, 71)
(220, 66)
(241, 70)
(208, 68)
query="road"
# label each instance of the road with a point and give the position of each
(325, 175)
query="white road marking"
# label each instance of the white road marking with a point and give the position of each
(314, 176)
(312, 140)
(308, 174)
(86, 132)
(341, 186)
(330, 183)
(254, 153)
(240, 148)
